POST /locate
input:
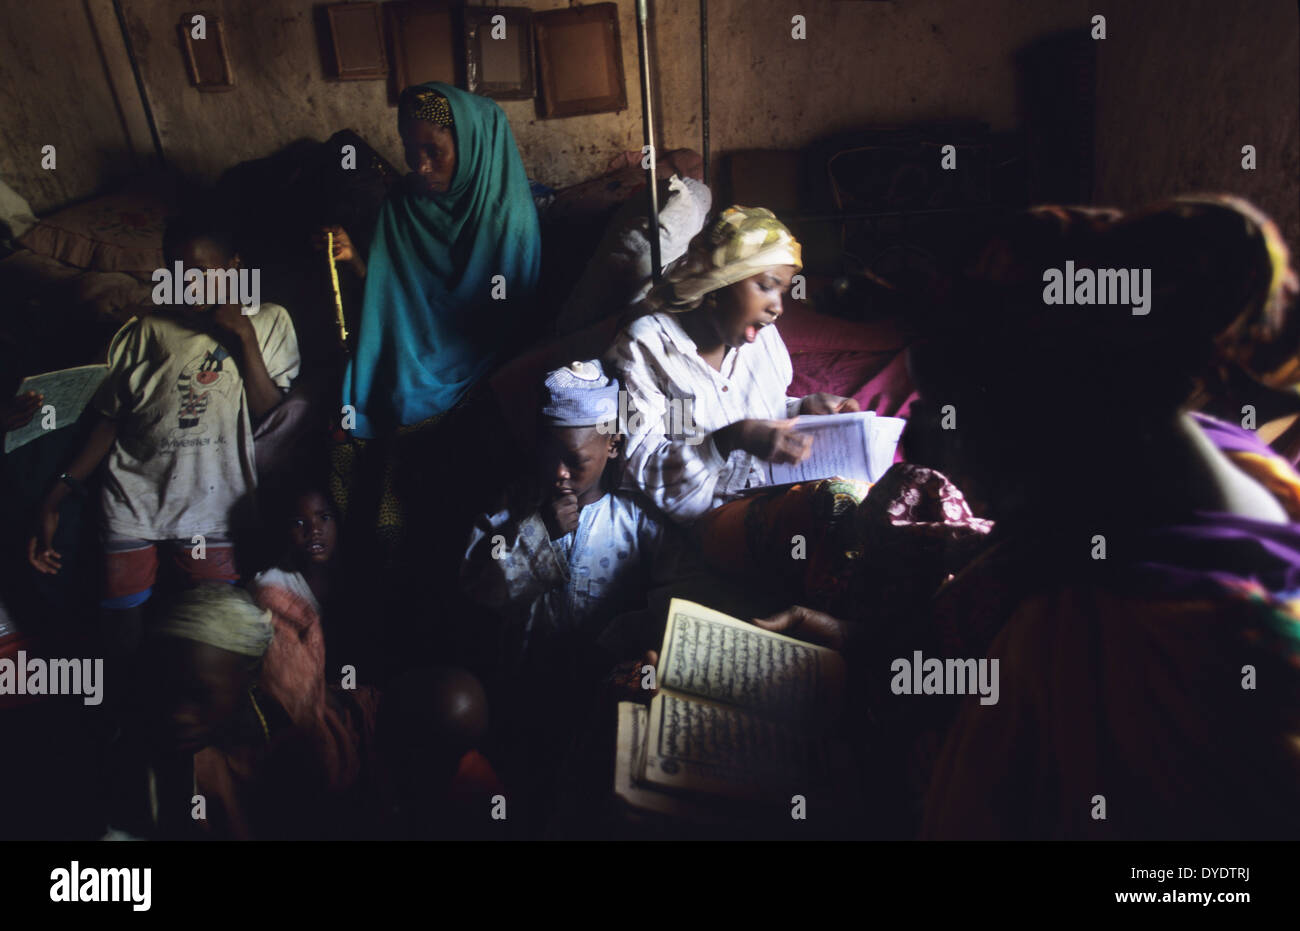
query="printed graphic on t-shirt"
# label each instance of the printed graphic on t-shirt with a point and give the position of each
(202, 375)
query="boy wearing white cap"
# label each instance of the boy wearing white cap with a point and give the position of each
(568, 565)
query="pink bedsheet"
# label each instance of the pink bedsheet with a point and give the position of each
(866, 361)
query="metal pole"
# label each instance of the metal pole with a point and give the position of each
(704, 86)
(139, 83)
(652, 178)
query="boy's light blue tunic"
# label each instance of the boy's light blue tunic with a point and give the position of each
(575, 584)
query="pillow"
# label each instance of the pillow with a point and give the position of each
(113, 295)
(16, 215)
(115, 233)
(619, 274)
(596, 199)
(67, 291)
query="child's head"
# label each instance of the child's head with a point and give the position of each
(573, 461)
(205, 652)
(740, 310)
(736, 272)
(201, 244)
(302, 520)
(580, 434)
(312, 527)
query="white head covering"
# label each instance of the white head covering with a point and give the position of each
(220, 615)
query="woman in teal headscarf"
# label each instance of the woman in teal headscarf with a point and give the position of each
(455, 259)
(449, 277)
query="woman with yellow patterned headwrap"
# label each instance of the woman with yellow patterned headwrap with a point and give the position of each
(706, 373)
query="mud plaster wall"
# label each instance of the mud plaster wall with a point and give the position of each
(65, 81)
(282, 94)
(1182, 84)
(861, 62)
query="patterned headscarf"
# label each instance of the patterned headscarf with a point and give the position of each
(419, 102)
(220, 615)
(1233, 270)
(740, 243)
(1221, 285)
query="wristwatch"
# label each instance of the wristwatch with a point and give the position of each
(77, 486)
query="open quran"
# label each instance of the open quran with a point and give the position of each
(742, 716)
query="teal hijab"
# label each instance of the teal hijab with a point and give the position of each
(435, 314)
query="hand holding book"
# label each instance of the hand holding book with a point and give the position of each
(742, 713)
(769, 440)
(808, 625)
(19, 410)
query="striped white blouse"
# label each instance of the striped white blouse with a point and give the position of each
(675, 400)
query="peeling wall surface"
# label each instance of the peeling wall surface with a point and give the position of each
(1182, 85)
(282, 94)
(57, 87)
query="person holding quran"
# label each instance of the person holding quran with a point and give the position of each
(705, 334)
(704, 345)
(1141, 600)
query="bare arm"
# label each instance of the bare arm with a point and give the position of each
(40, 548)
(262, 393)
(101, 439)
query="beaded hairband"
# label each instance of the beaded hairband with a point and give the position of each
(429, 106)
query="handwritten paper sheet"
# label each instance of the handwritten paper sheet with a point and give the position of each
(68, 391)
